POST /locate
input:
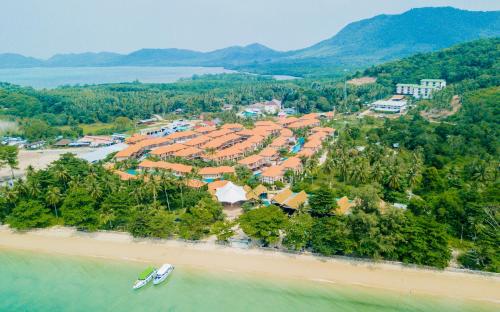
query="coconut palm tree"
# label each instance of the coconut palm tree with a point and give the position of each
(53, 197)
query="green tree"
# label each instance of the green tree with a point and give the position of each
(322, 203)
(263, 224)
(78, 209)
(53, 197)
(330, 236)
(196, 221)
(29, 214)
(8, 157)
(426, 243)
(223, 230)
(298, 231)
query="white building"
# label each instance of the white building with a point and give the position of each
(423, 90)
(389, 106)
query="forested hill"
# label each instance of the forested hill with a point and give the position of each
(362, 43)
(477, 62)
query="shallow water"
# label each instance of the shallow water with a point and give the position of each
(51, 77)
(40, 282)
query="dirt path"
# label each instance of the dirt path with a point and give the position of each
(436, 115)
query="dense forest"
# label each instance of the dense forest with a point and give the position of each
(421, 189)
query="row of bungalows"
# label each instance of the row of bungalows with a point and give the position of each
(222, 142)
(314, 141)
(277, 173)
(141, 145)
(213, 173)
(229, 154)
(253, 162)
(178, 170)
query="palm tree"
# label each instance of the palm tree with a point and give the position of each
(164, 183)
(93, 187)
(53, 197)
(62, 175)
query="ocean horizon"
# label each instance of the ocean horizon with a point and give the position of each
(44, 282)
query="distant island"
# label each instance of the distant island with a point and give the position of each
(366, 42)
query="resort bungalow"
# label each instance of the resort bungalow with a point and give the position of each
(198, 141)
(314, 145)
(183, 136)
(62, 143)
(132, 151)
(178, 170)
(294, 164)
(280, 143)
(270, 155)
(345, 205)
(233, 127)
(136, 138)
(259, 192)
(205, 129)
(253, 162)
(168, 150)
(188, 153)
(287, 121)
(222, 142)
(219, 133)
(228, 154)
(272, 175)
(290, 201)
(213, 173)
(306, 123)
(196, 184)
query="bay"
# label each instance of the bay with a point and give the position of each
(41, 282)
(52, 77)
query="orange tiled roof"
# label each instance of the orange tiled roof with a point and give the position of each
(187, 152)
(292, 163)
(286, 133)
(318, 136)
(279, 142)
(195, 183)
(124, 175)
(220, 141)
(136, 138)
(272, 172)
(312, 144)
(303, 123)
(217, 184)
(202, 139)
(128, 151)
(309, 116)
(219, 133)
(168, 149)
(269, 152)
(305, 152)
(181, 134)
(165, 165)
(216, 170)
(250, 160)
(205, 129)
(264, 123)
(232, 151)
(232, 126)
(287, 121)
(271, 128)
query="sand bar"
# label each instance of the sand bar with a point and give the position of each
(271, 264)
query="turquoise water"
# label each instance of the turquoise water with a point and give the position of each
(132, 171)
(44, 77)
(297, 147)
(40, 282)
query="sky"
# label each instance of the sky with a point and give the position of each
(42, 28)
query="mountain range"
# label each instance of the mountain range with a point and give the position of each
(366, 42)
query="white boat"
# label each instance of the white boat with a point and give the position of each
(163, 273)
(145, 277)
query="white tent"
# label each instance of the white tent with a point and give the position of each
(230, 193)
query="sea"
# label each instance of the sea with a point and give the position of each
(45, 282)
(52, 77)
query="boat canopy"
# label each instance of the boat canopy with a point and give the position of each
(146, 273)
(164, 269)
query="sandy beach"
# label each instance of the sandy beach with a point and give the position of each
(269, 264)
(39, 159)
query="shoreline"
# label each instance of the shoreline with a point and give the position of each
(270, 264)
